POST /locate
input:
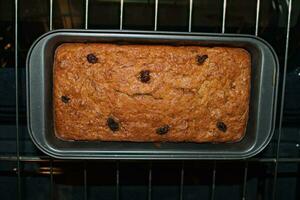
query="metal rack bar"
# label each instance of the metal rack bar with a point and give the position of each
(245, 181)
(121, 14)
(86, 14)
(85, 162)
(181, 181)
(155, 15)
(150, 181)
(47, 159)
(224, 15)
(257, 16)
(19, 195)
(190, 15)
(282, 97)
(51, 160)
(50, 14)
(213, 186)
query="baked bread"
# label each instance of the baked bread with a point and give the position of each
(150, 93)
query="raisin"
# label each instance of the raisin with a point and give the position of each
(65, 99)
(163, 130)
(91, 58)
(113, 124)
(222, 126)
(201, 59)
(145, 76)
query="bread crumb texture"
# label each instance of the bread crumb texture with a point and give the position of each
(150, 93)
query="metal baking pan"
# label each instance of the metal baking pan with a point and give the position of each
(260, 128)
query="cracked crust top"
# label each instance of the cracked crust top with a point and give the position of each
(150, 93)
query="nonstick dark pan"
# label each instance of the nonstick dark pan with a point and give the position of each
(260, 126)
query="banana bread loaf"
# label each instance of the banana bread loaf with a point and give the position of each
(150, 93)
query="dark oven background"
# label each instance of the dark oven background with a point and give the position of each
(26, 173)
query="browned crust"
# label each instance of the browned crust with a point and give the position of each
(189, 97)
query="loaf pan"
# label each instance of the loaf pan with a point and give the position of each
(39, 74)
